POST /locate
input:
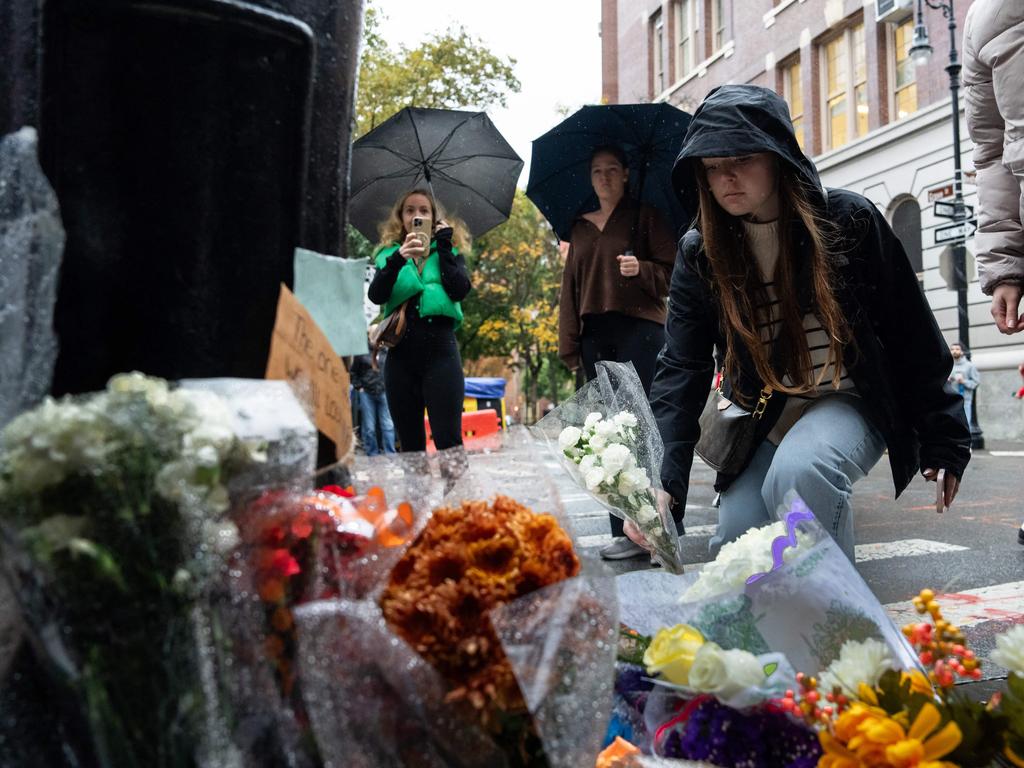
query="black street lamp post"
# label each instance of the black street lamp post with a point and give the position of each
(920, 52)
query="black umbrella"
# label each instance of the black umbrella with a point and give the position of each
(459, 156)
(649, 134)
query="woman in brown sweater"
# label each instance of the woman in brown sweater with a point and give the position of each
(614, 287)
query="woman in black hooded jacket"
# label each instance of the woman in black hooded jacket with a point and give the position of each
(821, 320)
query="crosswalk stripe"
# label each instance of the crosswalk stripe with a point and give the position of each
(1006, 453)
(999, 602)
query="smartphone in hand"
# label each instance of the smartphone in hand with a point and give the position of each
(421, 227)
(940, 491)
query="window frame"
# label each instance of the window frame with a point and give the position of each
(787, 68)
(683, 12)
(659, 75)
(717, 27)
(846, 38)
(894, 87)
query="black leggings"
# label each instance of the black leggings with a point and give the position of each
(621, 339)
(425, 371)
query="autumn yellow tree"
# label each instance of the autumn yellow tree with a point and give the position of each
(512, 311)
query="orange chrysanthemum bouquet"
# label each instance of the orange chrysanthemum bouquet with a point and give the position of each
(487, 644)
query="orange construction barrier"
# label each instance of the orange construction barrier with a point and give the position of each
(480, 431)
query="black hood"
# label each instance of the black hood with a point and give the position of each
(739, 120)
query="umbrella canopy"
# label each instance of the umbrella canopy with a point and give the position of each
(649, 134)
(461, 156)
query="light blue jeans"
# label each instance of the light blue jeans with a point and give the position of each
(832, 446)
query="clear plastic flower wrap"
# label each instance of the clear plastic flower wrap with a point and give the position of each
(297, 547)
(605, 436)
(112, 525)
(804, 605)
(486, 644)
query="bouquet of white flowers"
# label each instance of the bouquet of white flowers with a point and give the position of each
(607, 439)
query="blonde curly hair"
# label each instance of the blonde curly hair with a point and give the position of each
(392, 229)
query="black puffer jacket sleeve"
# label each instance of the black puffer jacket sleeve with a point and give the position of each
(918, 357)
(685, 368)
(454, 275)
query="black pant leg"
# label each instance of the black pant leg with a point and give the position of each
(404, 388)
(444, 388)
(640, 343)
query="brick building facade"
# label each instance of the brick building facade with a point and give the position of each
(872, 122)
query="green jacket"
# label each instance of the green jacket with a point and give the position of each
(434, 300)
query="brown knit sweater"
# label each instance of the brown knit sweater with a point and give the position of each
(592, 283)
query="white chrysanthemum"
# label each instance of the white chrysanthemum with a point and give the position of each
(614, 458)
(740, 559)
(1009, 650)
(625, 419)
(569, 437)
(592, 419)
(858, 662)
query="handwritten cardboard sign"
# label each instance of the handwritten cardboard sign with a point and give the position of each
(299, 351)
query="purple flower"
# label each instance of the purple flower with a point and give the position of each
(761, 738)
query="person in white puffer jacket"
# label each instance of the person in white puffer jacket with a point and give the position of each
(993, 72)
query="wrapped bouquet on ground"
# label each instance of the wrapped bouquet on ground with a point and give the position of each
(113, 524)
(487, 644)
(606, 437)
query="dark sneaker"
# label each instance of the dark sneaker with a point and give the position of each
(622, 549)
(1020, 535)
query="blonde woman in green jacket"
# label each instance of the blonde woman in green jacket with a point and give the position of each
(424, 370)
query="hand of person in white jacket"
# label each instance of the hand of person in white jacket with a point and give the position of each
(1006, 308)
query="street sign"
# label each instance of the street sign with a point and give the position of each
(937, 193)
(948, 271)
(961, 230)
(949, 210)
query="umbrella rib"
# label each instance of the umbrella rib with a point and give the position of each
(456, 182)
(386, 177)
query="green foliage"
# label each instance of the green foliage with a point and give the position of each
(449, 70)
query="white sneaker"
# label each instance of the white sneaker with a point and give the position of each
(622, 549)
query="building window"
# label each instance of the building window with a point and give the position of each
(906, 223)
(845, 76)
(906, 85)
(717, 24)
(684, 37)
(793, 93)
(658, 52)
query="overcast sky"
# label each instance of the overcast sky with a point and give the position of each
(555, 44)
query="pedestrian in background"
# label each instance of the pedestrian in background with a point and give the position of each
(993, 71)
(424, 370)
(368, 381)
(964, 376)
(614, 286)
(822, 323)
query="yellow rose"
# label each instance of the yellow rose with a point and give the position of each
(672, 651)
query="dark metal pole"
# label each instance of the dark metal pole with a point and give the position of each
(959, 248)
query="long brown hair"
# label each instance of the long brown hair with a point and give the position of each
(737, 281)
(392, 229)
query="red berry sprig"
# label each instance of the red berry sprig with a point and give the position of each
(941, 648)
(809, 705)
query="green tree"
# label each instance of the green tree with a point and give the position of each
(449, 70)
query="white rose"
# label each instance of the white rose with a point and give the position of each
(626, 486)
(569, 437)
(592, 419)
(724, 673)
(625, 419)
(1009, 650)
(640, 478)
(598, 443)
(647, 515)
(594, 478)
(614, 457)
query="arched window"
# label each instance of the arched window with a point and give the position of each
(906, 223)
